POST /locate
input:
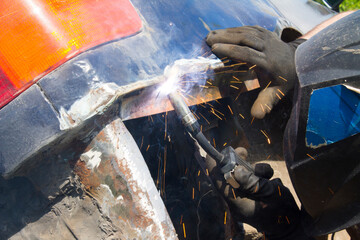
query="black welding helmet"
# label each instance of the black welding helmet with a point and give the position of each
(322, 140)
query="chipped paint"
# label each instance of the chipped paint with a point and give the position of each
(120, 183)
(91, 158)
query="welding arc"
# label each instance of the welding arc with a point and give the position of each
(192, 126)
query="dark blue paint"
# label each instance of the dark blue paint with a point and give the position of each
(26, 123)
(334, 114)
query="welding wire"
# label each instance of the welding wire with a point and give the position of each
(282, 78)
(184, 230)
(310, 156)
(241, 116)
(142, 141)
(232, 86)
(230, 110)
(252, 120)
(204, 118)
(253, 66)
(225, 218)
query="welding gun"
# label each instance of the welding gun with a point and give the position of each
(227, 160)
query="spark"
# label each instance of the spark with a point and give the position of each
(214, 142)
(234, 87)
(281, 92)
(142, 141)
(223, 58)
(233, 193)
(226, 61)
(278, 96)
(225, 218)
(252, 120)
(267, 85)
(148, 147)
(331, 191)
(234, 65)
(287, 219)
(152, 120)
(238, 96)
(165, 125)
(266, 135)
(158, 175)
(181, 218)
(253, 66)
(184, 230)
(186, 171)
(310, 156)
(268, 157)
(193, 193)
(236, 133)
(165, 150)
(282, 78)
(262, 108)
(199, 173)
(224, 144)
(207, 172)
(202, 86)
(267, 106)
(279, 191)
(217, 101)
(200, 128)
(230, 110)
(236, 79)
(199, 186)
(219, 112)
(204, 118)
(241, 116)
(212, 111)
(208, 82)
(196, 116)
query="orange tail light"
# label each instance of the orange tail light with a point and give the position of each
(39, 35)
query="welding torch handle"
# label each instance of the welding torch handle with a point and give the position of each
(204, 143)
(192, 126)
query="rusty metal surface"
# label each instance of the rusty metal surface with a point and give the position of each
(114, 173)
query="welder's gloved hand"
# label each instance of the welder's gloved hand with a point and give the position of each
(274, 60)
(264, 204)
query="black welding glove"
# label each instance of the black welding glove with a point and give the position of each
(264, 204)
(274, 60)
